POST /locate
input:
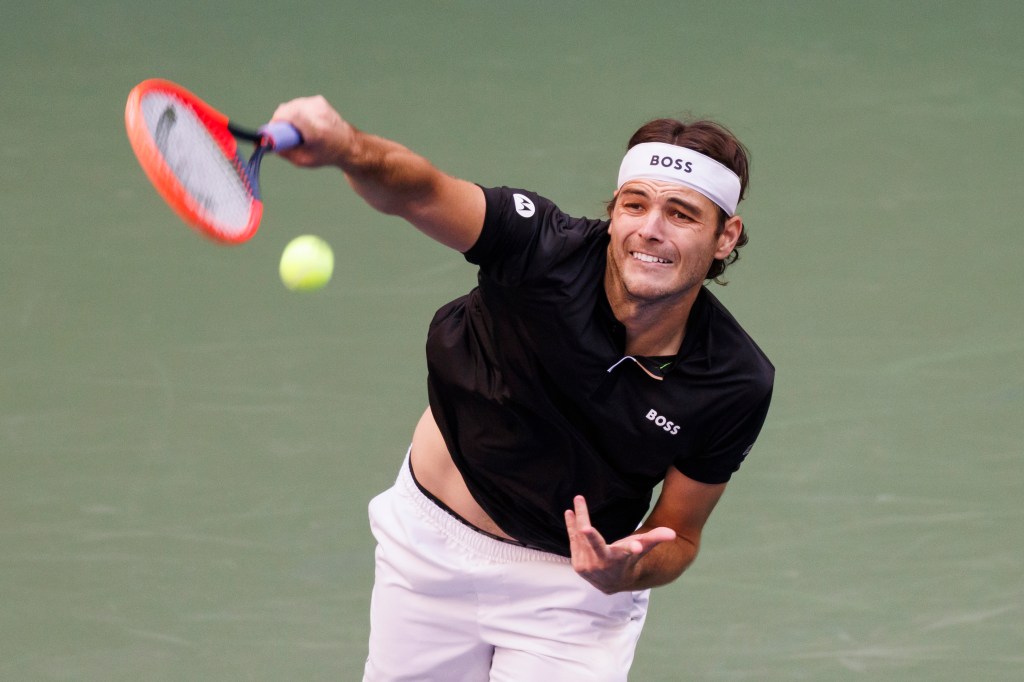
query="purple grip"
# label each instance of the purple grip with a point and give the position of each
(280, 135)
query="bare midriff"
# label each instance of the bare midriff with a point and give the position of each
(436, 472)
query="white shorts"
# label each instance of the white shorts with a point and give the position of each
(451, 604)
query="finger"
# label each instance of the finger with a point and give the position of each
(580, 536)
(570, 524)
(292, 111)
(583, 548)
(658, 535)
(312, 116)
(643, 543)
(630, 546)
(582, 513)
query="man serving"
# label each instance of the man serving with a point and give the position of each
(589, 365)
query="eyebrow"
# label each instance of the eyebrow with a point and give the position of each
(686, 205)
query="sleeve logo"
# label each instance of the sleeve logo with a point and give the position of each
(524, 206)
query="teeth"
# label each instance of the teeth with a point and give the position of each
(646, 258)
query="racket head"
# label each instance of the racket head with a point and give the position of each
(191, 158)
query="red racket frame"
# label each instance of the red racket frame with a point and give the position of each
(160, 174)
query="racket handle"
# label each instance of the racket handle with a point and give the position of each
(280, 135)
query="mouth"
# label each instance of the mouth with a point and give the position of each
(648, 258)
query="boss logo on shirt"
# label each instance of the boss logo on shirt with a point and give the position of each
(670, 427)
(524, 206)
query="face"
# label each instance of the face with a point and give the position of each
(663, 240)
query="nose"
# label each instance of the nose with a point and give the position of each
(652, 228)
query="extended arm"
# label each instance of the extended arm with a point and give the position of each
(390, 177)
(660, 550)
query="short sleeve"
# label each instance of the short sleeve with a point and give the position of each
(523, 234)
(729, 445)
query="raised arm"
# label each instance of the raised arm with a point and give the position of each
(390, 177)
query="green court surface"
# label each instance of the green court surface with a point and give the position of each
(187, 449)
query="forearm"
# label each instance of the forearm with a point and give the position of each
(388, 176)
(400, 182)
(661, 565)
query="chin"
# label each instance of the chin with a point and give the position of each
(647, 291)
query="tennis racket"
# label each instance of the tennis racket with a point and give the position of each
(189, 151)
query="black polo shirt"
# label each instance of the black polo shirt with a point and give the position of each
(529, 386)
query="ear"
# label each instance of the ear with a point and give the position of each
(730, 235)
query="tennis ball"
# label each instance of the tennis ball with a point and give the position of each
(307, 263)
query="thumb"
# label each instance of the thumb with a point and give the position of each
(645, 542)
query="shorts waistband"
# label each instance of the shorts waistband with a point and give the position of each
(464, 534)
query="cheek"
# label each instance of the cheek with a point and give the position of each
(697, 252)
(619, 230)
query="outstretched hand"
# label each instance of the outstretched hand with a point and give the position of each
(609, 568)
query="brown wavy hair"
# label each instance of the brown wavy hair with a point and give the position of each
(710, 139)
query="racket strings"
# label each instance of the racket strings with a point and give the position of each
(213, 177)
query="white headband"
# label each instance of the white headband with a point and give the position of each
(683, 166)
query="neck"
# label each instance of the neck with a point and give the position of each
(653, 328)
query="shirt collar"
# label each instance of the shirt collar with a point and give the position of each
(695, 342)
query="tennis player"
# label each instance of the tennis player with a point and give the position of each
(590, 364)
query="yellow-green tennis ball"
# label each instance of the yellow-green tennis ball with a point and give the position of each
(307, 263)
